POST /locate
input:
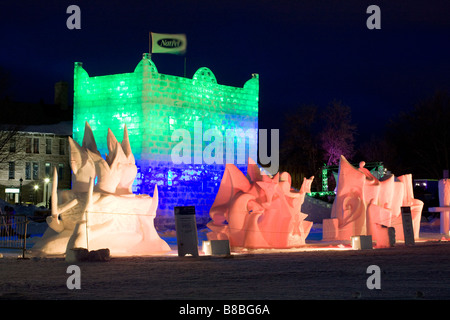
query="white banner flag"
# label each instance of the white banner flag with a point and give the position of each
(168, 43)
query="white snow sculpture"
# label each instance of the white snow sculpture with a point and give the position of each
(365, 205)
(444, 208)
(444, 201)
(102, 215)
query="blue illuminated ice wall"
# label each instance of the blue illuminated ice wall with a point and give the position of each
(153, 106)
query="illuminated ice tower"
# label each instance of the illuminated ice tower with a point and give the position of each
(153, 105)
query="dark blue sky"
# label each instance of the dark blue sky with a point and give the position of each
(305, 51)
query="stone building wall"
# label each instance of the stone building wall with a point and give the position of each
(33, 163)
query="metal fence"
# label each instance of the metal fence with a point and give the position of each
(13, 232)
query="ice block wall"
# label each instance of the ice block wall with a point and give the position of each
(153, 105)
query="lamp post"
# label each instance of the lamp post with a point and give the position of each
(20, 191)
(36, 187)
(46, 180)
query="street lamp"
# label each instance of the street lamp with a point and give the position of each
(36, 187)
(20, 191)
(46, 180)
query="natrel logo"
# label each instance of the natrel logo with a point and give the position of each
(170, 43)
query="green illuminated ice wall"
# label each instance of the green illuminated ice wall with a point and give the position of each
(153, 105)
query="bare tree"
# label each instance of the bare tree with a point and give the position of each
(376, 148)
(300, 153)
(420, 138)
(338, 133)
(13, 144)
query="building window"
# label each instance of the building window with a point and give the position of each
(60, 171)
(35, 171)
(48, 146)
(27, 171)
(12, 169)
(12, 145)
(48, 167)
(36, 145)
(61, 147)
(28, 146)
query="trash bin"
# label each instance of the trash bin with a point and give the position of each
(186, 228)
(408, 231)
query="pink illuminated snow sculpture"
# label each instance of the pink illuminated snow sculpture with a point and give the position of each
(444, 201)
(365, 205)
(259, 211)
(105, 214)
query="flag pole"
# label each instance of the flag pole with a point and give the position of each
(150, 44)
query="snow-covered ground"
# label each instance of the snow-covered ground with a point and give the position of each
(318, 270)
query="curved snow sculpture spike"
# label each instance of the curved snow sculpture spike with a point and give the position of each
(126, 145)
(102, 215)
(53, 220)
(83, 167)
(89, 140)
(129, 168)
(365, 205)
(260, 211)
(350, 207)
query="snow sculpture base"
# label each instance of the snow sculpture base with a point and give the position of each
(259, 211)
(362, 242)
(363, 204)
(105, 215)
(216, 248)
(385, 236)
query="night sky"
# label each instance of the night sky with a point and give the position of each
(304, 51)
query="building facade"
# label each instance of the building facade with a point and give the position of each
(155, 108)
(30, 156)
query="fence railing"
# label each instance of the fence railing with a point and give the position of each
(13, 232)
